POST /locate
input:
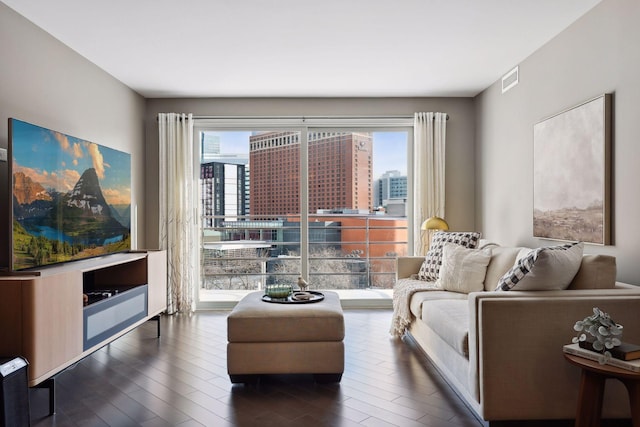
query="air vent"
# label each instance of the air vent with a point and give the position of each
(510, 79)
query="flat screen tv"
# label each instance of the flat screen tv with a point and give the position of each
(71, 199)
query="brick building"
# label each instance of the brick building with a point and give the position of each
(340, 172)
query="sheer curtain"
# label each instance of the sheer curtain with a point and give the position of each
(429, 135)
(178, 231)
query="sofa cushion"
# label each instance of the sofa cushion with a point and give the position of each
(415, 303)
(433, 260)
(547, 268)
(449, 318)
(463, 269)
(253, 320)
(596, 272)
(502, 259)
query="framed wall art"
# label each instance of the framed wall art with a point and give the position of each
(571, 173)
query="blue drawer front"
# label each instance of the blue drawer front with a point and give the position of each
(106, 318)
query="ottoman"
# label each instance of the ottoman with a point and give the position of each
(272, 338)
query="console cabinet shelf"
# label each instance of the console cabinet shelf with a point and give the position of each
(44, 320)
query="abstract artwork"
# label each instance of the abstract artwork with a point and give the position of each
(571, 174)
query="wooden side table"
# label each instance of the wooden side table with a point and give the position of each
(591, 393)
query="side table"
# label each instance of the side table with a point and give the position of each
(591, 392)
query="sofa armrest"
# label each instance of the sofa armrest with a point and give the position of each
(408, 265)
(515, 350)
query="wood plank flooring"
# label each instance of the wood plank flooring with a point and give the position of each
(180, 379)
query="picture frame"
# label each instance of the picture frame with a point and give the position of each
(572, 173)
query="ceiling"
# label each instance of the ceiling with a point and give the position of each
(303, 48)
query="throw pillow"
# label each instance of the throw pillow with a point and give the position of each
(433, 260)
(463, 269)
(544, 269)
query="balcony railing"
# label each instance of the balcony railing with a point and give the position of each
(346, 251)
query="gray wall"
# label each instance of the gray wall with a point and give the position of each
(459, 152)
(45, 83)
(597, 54)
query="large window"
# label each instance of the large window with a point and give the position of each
(329, 204)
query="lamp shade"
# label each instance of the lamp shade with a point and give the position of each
(435, 223)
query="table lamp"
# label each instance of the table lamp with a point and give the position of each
(433, 224)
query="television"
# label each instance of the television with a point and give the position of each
(70, 198)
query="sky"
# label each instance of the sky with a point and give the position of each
(389, 149)
(57, 161)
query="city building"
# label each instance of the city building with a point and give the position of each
(339, 167)
(224, 192)
(391, 185)
(209, 147)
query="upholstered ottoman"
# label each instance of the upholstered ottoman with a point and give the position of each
(271, 338)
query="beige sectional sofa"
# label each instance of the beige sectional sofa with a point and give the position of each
(502, 350)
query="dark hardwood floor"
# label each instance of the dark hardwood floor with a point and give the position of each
(180, 379)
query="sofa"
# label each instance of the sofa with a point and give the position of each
(502, 351)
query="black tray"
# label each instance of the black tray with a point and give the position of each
(315, 297)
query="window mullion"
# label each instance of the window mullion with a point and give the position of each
(304, 202)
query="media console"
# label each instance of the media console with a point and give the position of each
(45, 319)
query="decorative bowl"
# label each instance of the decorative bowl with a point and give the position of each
(278, 290)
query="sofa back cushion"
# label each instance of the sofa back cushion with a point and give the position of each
(502, 259)
(596, 272)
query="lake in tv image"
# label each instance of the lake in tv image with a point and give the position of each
(71, 197)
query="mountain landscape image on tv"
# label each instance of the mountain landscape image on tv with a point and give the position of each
(71, 198)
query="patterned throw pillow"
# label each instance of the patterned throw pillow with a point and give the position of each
(433, 260)
(547, 268)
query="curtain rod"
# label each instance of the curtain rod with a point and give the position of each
(303, 118)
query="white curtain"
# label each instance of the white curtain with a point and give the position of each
(429, 135)
(178, 216)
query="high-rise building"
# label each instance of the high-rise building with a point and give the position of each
(224, 179)
(339, 163)
(224, 192)
(391, 185)
(209, 147)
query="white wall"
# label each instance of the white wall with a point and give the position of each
(45, 83)
(597, 54)
(460, 136)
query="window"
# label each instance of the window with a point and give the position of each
(290, 201)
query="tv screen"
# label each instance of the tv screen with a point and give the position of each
(71, 198)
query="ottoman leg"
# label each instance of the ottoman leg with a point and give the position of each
(327, 378)
(244, 379)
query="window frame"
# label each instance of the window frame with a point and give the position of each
(305, 125)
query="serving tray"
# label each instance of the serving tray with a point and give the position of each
(315, 297)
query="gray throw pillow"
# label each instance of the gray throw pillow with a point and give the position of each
(544, 269)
